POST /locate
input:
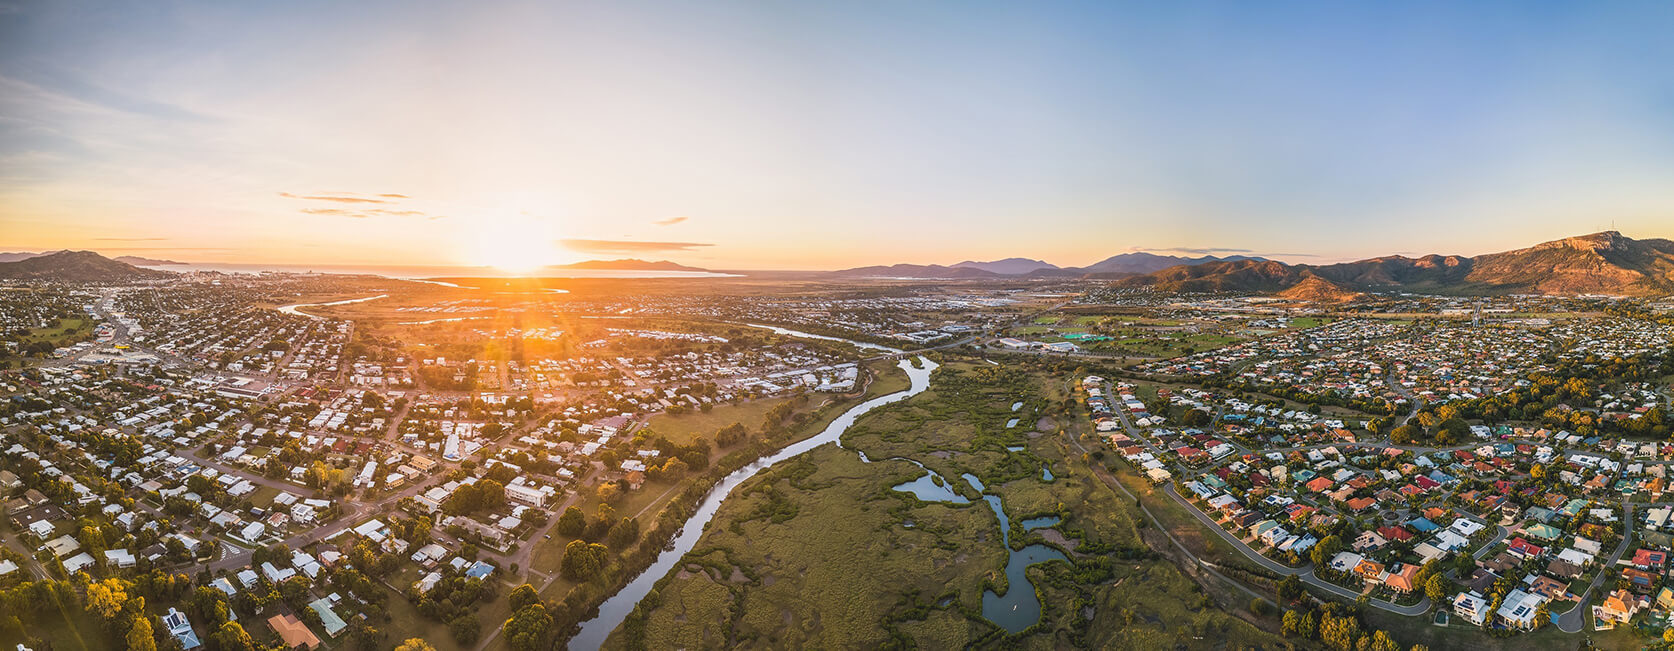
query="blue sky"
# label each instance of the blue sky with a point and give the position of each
(824, 135)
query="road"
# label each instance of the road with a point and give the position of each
(1395, 385)
(29, 564)
(1575, 620)
(1306, 574)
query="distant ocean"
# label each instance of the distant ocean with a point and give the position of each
(396, 271)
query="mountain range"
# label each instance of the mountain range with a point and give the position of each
(130, 259)
(1113, 266)
(1600, 263)
(628, 264)
(75, 266)
(1606, 263)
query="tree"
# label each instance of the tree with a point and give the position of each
(106, 597)
(671, 470)
(608, 492)
(624, 533)
(140, 637)
(1406, 434)
(522, 596)
(730, 435)
(1437, 589)
(1290, 588)
(415, 644)
(1326, 549)
(1339, 633)
(491, 494)
(365, 637)
(572, 522)
(232, 637)
(583, 560)
(465, 628)
(529, 628)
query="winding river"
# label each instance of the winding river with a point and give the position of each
(615, 609)
(809, 335)
(293, 309)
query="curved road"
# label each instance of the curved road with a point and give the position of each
(1307, 573)
(1576, 619)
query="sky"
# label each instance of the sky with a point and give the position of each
(823, 135)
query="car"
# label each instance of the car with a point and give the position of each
(548, 536)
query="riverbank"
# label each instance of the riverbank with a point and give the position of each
(572, 603)
(611, 612)
(296, 309)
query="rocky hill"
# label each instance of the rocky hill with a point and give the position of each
(1602, 263)
(76, 266)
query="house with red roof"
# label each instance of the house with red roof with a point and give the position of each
(1525, 549)
(1649, 559)
(1402, 580)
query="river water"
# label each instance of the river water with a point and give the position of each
(1018, 608)
(809, 335)
(292, 309)
(615, 609)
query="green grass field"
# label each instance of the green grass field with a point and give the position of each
(684, 427)
(69, 331)
(1309, 322)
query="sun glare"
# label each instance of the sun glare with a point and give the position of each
(515, 244)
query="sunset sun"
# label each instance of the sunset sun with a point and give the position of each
(516, 244)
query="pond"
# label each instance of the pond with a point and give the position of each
(1012, 423)
(1018, 608)
(1045, 473)
(931, 487)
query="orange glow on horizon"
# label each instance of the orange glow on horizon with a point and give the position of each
(513, 243)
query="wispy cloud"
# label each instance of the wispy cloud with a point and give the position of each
(335, 211)
(629, 246)
(670, 221)
(352, 199)
(335, 198)
(130, 239)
